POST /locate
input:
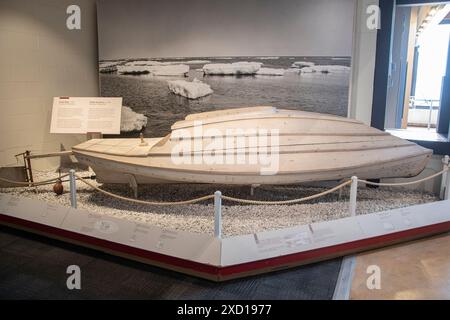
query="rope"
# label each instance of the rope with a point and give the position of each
(176, 203)
(404, 183)
(212, 197)
(232, 199)
(295, 201)
(34, 184)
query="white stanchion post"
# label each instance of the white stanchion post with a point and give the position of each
(73, 189)
(447, 187)
(218, 214)
(353, 195)
(444, 183)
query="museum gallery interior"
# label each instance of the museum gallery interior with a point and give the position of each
(210, 150)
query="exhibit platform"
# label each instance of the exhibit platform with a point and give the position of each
(218, 259)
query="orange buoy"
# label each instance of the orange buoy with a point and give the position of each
(58, 188)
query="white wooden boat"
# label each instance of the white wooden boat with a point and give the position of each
(311, 147)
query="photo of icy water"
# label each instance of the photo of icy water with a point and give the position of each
(321, 92)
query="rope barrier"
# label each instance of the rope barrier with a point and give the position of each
(257, 202)
(404, 183)
(232, 199)
(295, 201)
(34, 184)
(212, 196)
(142, 201)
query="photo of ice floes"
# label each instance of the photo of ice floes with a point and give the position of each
(166, 90)
(172, 58)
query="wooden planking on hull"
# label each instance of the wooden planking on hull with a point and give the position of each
(286, 144)
(230, 112)
(286, 149)
(114, 172)
(284, 125)
(288, 163)
(132, 147)
(280, 114)
(304, 147)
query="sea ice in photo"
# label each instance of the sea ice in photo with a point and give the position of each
(171, 70)
(140, 63)
(292, 71)
(302, 64)
(325, 69)
(150, 95)
(269, 58)
(155, 70)
(271, 72)
(134, 70)
(168, 63)
(107, 64)
(236, 68)
(197, 61)
(108, 67)
(191, 90)
(132, 121)
(165, 63)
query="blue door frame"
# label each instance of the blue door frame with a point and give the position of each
(382, 65)
(444, 112)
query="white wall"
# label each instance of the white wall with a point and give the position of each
(40, 59)
(363, 65)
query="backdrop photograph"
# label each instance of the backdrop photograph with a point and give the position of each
(171, 58)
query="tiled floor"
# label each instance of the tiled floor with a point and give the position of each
(34, 267)
(416, 270)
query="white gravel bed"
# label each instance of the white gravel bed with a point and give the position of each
(237, 219)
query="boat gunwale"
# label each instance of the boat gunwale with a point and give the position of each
(368, 134)
(184, 124)
(223, 151)
(405, 143)
(346, 142)
(425, 153)
(229, 112)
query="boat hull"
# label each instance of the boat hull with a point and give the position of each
(296, 147)
(115, 170)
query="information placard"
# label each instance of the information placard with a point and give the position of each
(86, 114)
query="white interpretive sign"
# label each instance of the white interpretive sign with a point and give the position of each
(83, 115)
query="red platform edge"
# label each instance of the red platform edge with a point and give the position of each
(219, 273)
